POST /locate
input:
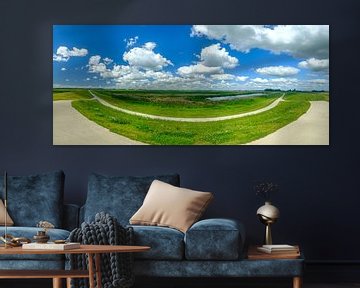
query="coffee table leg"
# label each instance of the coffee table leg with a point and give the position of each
(297, 282)
(57, 283)
(98, 270)
(91, 270)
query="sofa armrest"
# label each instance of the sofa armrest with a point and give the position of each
(71, 216)
(215, 239)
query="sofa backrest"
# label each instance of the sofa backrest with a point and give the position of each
(35, 198)
(118, 195)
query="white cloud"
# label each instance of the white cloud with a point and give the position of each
(282, 71)
(213, 60)
(108, 61)
(145, 58)
(95, 66)
(319, 81)
(119, 70)
(150, 45)
(199, 68)
(223, 77)
(271, 81)
(287, 84)
(242, 78)
(131, 41)
(94, 60)
(304, 41)
(63, 53)
(315, 64)
(259, 80)
(58, 58)
(63, 69)
(215, 56)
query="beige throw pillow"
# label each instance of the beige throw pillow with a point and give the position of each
(170, 206)
(9, 221)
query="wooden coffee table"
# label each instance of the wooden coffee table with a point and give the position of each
(57, 275)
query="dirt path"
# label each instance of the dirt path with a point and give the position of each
(209, 119)
(312, 128)
(72, 128)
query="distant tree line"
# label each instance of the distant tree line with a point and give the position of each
(290, 90)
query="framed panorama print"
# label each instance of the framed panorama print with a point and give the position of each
(191, 85)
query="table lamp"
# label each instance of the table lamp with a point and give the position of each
(268, 214)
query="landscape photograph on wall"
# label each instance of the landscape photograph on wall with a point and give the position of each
(190, 85)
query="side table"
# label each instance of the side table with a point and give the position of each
(254, 255)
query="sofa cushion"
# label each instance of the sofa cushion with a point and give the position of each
(9, 221)
(29, 232)
(214, 269)
(165, 243)
(38, 264)
(119, 196)
(170, 206)
(35, 198)
(214, 239)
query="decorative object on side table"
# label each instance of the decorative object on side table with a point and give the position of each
(11, 241)
(41, 236)
(268, 213)
(255, 254)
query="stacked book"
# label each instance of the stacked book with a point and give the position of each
(279, 249)
(273, 252)
(51, 246)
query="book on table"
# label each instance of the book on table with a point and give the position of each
(255, 254)
(51, 246)
(278, 249)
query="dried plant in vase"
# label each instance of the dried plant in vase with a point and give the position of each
(41, 236)
(265, 189)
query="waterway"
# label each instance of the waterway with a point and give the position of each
(222, 98)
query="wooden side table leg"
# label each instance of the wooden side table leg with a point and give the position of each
(91, 270)
(98, 270)
(57, 283)
(68, 282)
(297, 282)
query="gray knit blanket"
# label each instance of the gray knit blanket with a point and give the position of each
(116, 268)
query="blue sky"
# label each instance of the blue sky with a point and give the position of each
(221, 57)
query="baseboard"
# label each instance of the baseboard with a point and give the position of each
(332, 271)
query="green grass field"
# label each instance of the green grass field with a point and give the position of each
(186, 104)
(183, 104)
(307, 96)
(71, 94)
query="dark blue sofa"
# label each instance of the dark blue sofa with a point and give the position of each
(32, 199)
(210, 248)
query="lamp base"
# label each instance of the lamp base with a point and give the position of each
(268, 237)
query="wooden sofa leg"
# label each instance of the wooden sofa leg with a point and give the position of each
(297, 282)
(57, 283)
